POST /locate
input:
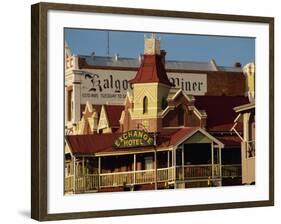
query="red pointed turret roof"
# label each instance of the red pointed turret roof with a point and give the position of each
(151, 70)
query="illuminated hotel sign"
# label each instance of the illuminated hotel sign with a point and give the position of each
(102, 86)
(133, 138)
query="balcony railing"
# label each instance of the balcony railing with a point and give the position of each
(197, 171)
(93, 182)
(233, 170)
(68, 183)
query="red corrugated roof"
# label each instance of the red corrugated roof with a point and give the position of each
(219, 109)
(169, 139)
(230, 141)
(113, 114)
(151, 70)
(95, 143)
(88, 144)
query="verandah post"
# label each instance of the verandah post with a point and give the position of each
(168, 164)
(175, 166)
(155, 166)
(99, 172)
(220, 165)
(84, 176)
(182, 162)
(212, 160)
(74, 174)
(135, 158)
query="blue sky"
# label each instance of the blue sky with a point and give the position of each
(225, 50)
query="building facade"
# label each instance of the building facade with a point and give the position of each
(104, 80)
(246, 114)
(148, 123)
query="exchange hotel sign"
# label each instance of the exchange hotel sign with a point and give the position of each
(133, 138)
(111, 86)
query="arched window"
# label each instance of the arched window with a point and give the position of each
(181, 113)
(145, 105)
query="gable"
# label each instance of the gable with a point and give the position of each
(103, 121)
(198, 137)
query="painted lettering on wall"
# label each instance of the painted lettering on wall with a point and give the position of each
(111, 86)
(99, 84)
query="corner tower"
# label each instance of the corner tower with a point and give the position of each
(150, 88)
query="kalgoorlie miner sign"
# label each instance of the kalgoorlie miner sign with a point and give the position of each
(111, 86)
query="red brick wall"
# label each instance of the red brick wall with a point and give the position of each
(225, 83)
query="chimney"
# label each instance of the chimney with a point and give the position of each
(140, 58)
(93, 55)
(237, 65)
(163, 56)
(152, 45)
(116, 57)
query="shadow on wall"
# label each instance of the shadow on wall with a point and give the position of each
(25, 213)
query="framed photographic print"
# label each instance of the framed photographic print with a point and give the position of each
(138, 111)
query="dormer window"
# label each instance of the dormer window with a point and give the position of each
(145, 105)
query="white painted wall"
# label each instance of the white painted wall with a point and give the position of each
(15, 112)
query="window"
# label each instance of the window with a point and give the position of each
(69, 104)
(148, 163)
(145, 105)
